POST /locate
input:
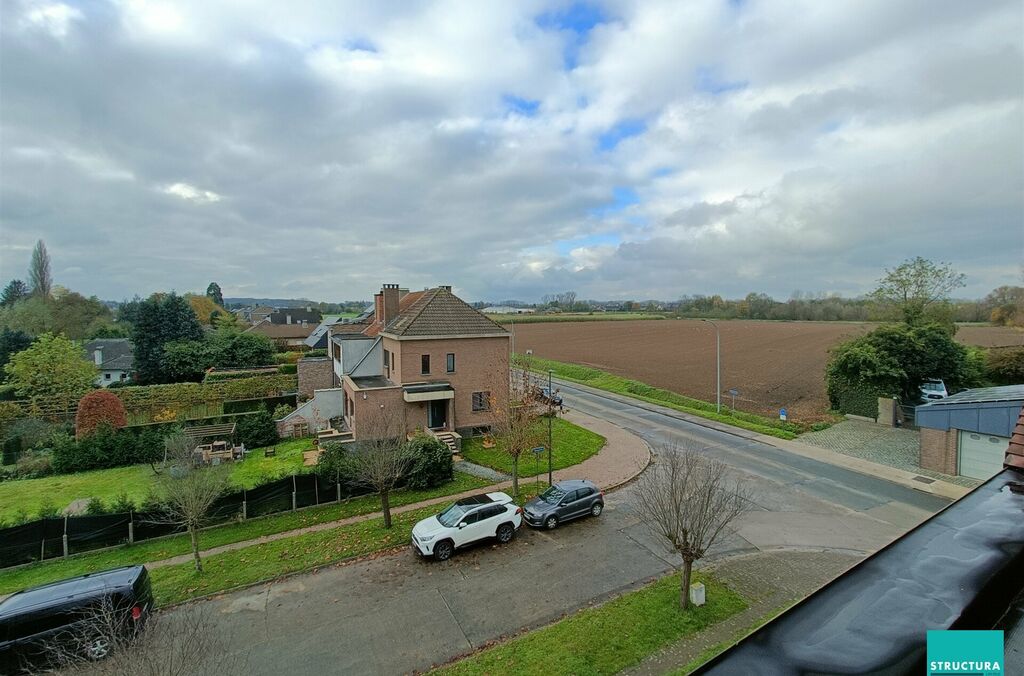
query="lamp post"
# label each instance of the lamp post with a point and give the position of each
(718, 365)
(551, 414)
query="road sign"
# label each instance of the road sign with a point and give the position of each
(734, 392)
(538, 450)
(782, 414)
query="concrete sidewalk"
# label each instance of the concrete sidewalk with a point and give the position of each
(934, 486)
(623, 456)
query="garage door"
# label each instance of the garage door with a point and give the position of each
(981, 455)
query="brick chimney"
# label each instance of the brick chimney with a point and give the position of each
(390, 295)
(446, 288)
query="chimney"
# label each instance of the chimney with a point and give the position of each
(390, 295)
(287, 319)
(447, 288)
(97, 356)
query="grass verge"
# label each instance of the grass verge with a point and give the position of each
(571, 445)
(12, 580)
(609, 638)
(714, 651)
(173, 584)
(608, 382)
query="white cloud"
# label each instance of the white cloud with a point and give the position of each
(53, 17)
(191, 193)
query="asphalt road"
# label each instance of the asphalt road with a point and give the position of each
(398, 613)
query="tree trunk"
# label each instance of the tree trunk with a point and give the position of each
(684, 592)
(385, 506)
(515, 477)
(194, 536)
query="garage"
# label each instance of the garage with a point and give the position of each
(967, 434)
(981, 455)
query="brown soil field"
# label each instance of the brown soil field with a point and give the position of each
(773, 364)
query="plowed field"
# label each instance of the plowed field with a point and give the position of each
(773, 365)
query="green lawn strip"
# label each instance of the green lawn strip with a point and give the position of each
(572, 445)
(711, 652)
(173, 584)
(12, 580)
(608, 382)
(138, 481)
(608, 638)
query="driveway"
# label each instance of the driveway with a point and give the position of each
(397, 613)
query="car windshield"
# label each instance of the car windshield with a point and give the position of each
(451, 516)
(552, 495)
(932, 387)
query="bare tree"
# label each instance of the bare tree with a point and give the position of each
(188, 489)
(381, 457)
(174, 643)
(688, 500)
(517, 421)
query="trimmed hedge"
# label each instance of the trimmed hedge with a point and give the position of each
(856, 399)
(431, 464)
(106, 448)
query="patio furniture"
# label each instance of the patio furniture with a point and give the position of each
(270, 452)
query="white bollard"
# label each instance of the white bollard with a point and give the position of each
(697, 594)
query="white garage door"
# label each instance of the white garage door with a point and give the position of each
(981, 455)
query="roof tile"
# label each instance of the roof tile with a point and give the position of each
(1015, 451)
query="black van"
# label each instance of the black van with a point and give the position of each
(69, 612)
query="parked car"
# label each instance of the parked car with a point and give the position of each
(77, 614)
(555, 399)
(490, 515)
(933, 388)
(564, 501)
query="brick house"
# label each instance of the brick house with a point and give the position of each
(426, 356)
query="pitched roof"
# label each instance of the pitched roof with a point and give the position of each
(439, 312)
(116, 353)
(1015, 451)
(283, 330)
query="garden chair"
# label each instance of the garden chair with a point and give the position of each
(270, 452)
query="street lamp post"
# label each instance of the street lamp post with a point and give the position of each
(551, 414)
(718, 365)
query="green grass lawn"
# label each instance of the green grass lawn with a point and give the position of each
(603, 380)
(609, 638)
(138, 481)
(12, 580)
(572, 445)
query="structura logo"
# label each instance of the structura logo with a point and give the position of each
(966, 653)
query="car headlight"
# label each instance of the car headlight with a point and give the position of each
(425, 538)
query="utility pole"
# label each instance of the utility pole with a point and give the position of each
(551, 414)
(718, 365)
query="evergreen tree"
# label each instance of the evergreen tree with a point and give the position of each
(14, 291)
(161, 319)
(213, 293)
(39, 276)
(12, 342)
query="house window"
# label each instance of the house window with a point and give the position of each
(387, 359)
(450, 362)
(425, 364)
(481, 401)
(106, 376)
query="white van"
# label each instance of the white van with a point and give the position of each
(933, 388)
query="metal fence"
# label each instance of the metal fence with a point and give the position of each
(51, 538)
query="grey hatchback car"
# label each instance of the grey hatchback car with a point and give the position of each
(564, 501)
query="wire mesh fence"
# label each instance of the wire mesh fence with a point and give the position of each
(51, 538)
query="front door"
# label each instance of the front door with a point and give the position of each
(437, 414)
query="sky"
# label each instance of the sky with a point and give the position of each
(623, 150)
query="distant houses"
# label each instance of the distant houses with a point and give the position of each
(114, 357)
(507, 310)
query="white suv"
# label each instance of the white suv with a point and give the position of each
(493, 515)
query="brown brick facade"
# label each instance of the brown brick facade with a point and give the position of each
(315, 373)
(939, 450)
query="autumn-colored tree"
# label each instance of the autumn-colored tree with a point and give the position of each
(99, 407)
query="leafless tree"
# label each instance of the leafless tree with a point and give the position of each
(688, 500)
(381, 457)
(188, 490)
(176, 643)
(517, 422)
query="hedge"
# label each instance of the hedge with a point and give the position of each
(855, 399)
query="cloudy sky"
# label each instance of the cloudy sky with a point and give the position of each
(621, 149)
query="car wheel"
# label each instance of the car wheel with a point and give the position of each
(97, 648)
(596, 508)
(505, 533)
(551, 522)
(443, 550)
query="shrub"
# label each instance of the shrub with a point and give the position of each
(106, 448)
(95, 507)
(32, 432)
(281, 410)
(122, 504)
(854, 398)
(33, 464)
(48, 510)
(288, 368)
(1006, 366)
(431, 463)
(257, 429)
(333, 463)
(316, 353)
(99, 407)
